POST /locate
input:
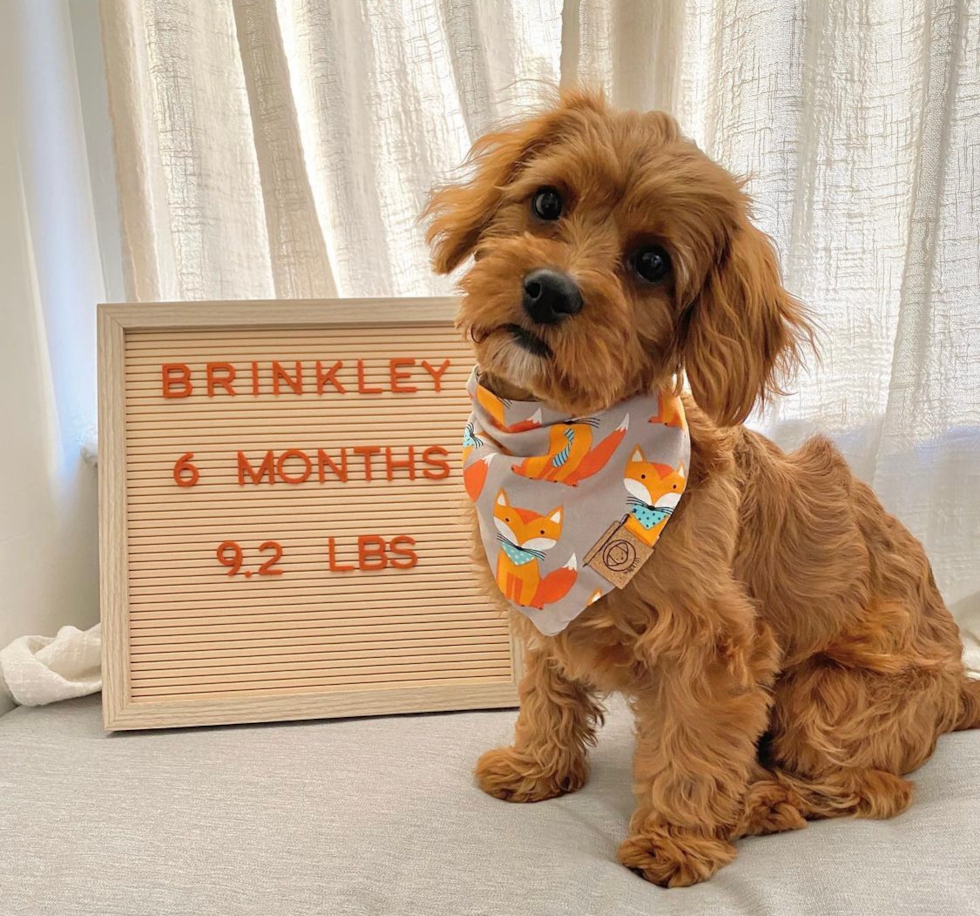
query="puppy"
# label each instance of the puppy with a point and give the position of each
(785, 650)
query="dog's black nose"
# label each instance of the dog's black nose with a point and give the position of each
(550, 295)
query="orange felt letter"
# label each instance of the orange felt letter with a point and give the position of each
(266, 468)
(361, 386)
(367, 451)
(281, 375)
(408, 464)
(322, 378)
(324, 461)
(436, 455)
(223, 381)
(436, 374)
(332, 559)
(410, 557)
(397, 376)
(176, 374)
(373, 559)
(294, 453)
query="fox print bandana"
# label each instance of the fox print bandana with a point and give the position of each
(570, 507)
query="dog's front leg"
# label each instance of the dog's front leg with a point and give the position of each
(555, 727)
(697, 728)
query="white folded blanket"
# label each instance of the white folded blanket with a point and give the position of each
(43, 669)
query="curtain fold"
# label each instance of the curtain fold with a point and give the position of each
(299, 263)
(51, 276)
(285, 149)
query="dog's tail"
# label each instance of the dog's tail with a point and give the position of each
(969, 705)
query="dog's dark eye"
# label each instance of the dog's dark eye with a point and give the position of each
(546, 204)
(652, 263)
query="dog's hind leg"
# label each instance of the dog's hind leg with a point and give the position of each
(848, 792)
(781, 801)
(842, 738)
(969, 716)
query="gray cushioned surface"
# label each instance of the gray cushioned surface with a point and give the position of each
(381, 816)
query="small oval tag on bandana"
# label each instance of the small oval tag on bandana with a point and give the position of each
(571, 507)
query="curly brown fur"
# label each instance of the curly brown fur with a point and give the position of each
(785, 651)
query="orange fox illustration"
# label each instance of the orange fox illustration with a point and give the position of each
(474, 475)
(654, 492)
(525, 536)
(571, 457)
(670, 411)
(496, 409)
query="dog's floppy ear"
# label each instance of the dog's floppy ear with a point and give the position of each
(458, 212)
(744, 330)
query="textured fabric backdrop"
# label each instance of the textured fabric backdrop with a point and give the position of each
(285, 148)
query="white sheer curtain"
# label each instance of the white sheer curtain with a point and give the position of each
(284, 149)
(51, 275)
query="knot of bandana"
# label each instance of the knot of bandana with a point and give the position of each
(550, 489)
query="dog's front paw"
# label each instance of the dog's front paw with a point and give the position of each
(508, 774)
(674, 857)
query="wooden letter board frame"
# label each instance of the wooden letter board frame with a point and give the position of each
(187, 643)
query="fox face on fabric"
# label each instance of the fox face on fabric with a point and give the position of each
(526, 536)
(655, 490)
